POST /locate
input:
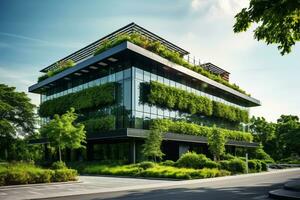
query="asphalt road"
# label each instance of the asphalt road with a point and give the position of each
(243, 187)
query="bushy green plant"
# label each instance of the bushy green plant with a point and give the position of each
(168, 163)
(163, 51)
(227, 156)
(192, 160)
(254, 165)
(211, 164)
(146, 164)
(224, 164)
(59, 165)
(63, 175)
(183, 127)
(152, 146)
(156, 93)
(264, 166)
(93, 97)
(237, 166)
(23, 173)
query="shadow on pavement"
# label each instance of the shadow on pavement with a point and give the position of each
(192, 192)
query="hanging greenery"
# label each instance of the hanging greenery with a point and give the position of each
(156, 93)
(183, 127)
(93, 97)
(99, 124)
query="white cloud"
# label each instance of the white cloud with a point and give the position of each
(218, 9)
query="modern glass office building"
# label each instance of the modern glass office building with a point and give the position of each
(119, 116)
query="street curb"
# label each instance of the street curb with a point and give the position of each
(170, 184)
(37, 184)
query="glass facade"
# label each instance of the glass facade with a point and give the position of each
(129, 111)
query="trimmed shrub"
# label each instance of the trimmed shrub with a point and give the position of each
(168, 163)
(224, 164)
(63, 175)
(192, 160)
(211, 164)
(252, 165)
(59, 165)
(146, 164)
(21, 173)
(237, 166)
(264, 166)
(227, 156)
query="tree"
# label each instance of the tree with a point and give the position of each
(152, 145)
(264, 132)
(278, 22)
(288, 135)
(216, 143)
(16, 117)
(63, 132)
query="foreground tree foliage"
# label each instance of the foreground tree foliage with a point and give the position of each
(278, 22)
(63, 132)
(281, 139)
(16, 119)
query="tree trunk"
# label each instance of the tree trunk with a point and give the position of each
(59, 153)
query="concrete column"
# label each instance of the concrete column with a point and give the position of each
(132, 150)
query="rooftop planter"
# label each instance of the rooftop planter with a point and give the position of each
(60, 66)
(153, 46)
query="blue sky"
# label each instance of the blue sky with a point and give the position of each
(34, 34)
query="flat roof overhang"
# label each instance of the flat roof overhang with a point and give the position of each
(141, 133)
(247, 100)
(89, 50)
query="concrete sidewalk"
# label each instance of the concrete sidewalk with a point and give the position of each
(100, 184)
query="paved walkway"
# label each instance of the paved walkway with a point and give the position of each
(87, 184)
(100, 184)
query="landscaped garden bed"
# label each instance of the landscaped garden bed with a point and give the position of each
(189, 166)
(26, 173)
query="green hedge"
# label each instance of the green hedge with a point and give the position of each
(161, 50)
(196, 161)
(182, 127)
(60, 66)
(156, 93)
(148, 169)
(236, 165)
(16, 174)
(93, 97)
(95, 125)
